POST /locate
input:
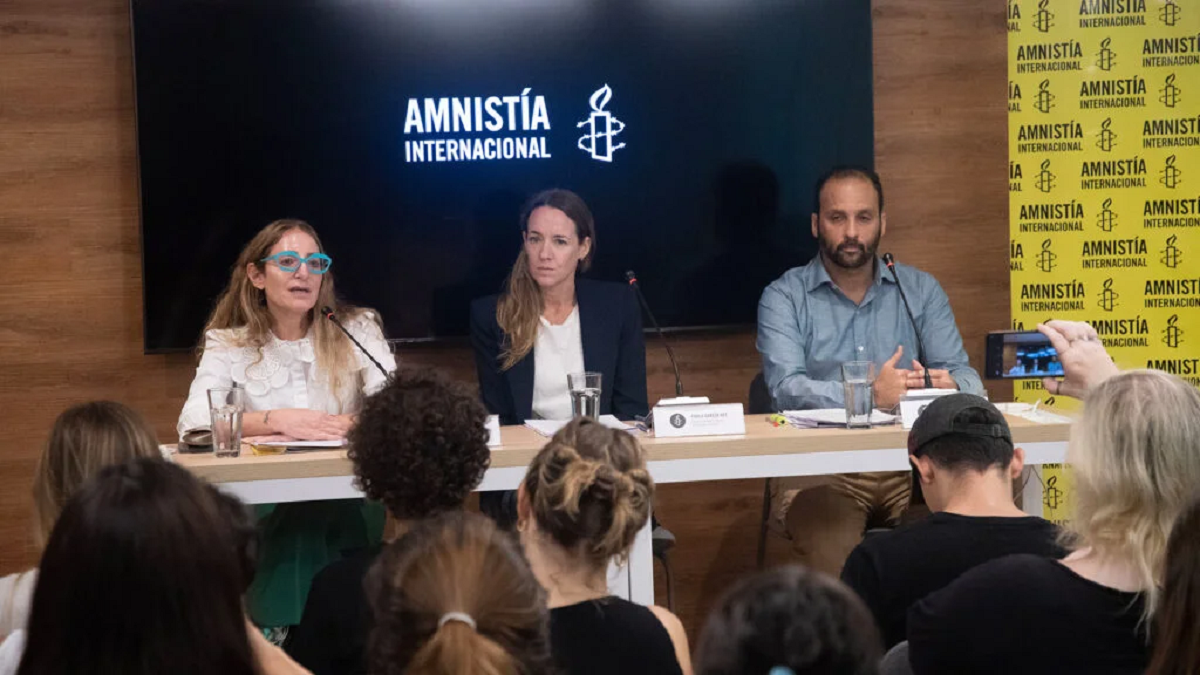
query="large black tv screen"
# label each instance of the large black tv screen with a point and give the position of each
(409, 132)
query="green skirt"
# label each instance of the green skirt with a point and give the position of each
(298, 540)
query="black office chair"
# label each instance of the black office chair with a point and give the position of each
(761, 404)
(661, 541)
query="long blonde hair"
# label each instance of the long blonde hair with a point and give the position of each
(85, 438)
(590, 491)
(243, 306)
(520, 306)
(456, 596)
(1135, 453)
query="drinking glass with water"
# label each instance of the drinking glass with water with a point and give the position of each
(585, 394)
(858, 380)
(225, 407)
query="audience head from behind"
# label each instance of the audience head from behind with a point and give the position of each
(1177, 622)
(455, 596)
(1135, 465)
(143, 574)
(85, 439)
(963, 457)
(419, 447)
(420, 444)
(584, 498)
(789, 620)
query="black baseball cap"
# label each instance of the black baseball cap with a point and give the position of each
(946, 415)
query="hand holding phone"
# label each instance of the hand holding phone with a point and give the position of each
(1021, 355)
(1084, 359)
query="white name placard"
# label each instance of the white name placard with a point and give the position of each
(913, 403)
(706, 419)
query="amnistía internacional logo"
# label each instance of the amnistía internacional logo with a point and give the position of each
(505, 128)
(600, 128)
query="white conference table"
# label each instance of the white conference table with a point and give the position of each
(764, 451)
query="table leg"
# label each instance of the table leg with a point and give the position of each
(634, 581)
(641, 568)
(1031, 496)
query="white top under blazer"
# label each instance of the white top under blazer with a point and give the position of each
(286, 375)
(558, 351)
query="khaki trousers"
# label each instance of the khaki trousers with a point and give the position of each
(825, 516)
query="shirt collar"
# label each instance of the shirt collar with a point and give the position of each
(819, 276)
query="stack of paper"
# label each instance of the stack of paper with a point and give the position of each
(1032, 413)
(830, 417)
(293, 443)
(551, 427)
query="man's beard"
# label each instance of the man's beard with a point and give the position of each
(850, 255)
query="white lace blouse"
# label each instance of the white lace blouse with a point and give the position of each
(285, 377)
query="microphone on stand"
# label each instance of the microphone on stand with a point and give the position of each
(891, 265)
(633, 282)
(328, 312)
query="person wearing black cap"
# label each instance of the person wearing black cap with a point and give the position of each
(964, 460)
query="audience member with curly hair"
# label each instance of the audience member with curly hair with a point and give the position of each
(580, 506)
(455, 596)
(789, 620)
(420, 448)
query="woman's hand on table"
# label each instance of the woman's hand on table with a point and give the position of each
(309, 425)
(347, 422)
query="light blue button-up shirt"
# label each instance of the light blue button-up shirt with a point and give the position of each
(807, 328)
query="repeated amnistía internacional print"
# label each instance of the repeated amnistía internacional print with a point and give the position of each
(1104, 179)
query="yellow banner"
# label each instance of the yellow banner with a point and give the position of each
(1104, 180)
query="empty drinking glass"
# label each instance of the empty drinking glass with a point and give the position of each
(225, 407)
(858, 378)
(585, 394)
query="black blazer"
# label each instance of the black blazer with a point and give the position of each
(610, 326)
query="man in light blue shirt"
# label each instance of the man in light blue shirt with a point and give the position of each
(843, 306)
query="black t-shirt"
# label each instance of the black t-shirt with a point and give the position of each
(331, 638)
(1031, 615)
(892, 570)
(611, 635)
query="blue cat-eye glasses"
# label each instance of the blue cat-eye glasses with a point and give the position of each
(290, 261)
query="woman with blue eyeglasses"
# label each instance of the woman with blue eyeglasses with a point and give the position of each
(302, 379)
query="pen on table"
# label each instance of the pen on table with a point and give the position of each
(777, 420)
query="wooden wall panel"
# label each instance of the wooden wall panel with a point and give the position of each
(71, 306)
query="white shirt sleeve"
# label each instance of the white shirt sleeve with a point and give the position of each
(366, 330)
(11, 651)
(16, 595)
(214, 371)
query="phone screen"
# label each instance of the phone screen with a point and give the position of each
(1019, 355)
